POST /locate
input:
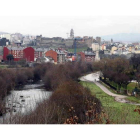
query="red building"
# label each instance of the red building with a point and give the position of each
(82, 55)
(28, 54)
(52, 54)
(57, 55)
(19, 53)
(87, 56)
(15, 51)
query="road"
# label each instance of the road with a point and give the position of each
(94, 77)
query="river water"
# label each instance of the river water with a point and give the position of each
(23, 102)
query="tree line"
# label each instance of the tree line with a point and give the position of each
(119, 70)
(70, 102)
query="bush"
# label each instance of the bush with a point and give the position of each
(74, 100)
(21, 78)
(69, 100)
(40, 70)
(59, 74)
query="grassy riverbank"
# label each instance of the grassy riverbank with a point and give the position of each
(78, 49)
(3, 66)
(129, 98)
(118, 113)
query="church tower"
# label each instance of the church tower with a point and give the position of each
(97, 57)
(71, 33)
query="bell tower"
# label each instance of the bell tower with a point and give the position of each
(71, 33)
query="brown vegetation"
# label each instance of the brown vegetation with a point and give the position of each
(117, 70)
(69, 101)
(58, 74)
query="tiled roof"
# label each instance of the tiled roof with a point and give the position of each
(89, 53)
(15, 48)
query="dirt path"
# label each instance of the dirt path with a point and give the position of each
(94, 77)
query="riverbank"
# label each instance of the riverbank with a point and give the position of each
(23, 101)
(118, 113)
(94, 77)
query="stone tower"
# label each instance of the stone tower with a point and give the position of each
(111, 40)
(97, 57)
(98, 39)
(71, 33)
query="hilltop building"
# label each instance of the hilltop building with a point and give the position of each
(71, 34)
(98, 39)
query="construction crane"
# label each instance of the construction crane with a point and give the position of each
(75, 47)
(75, 44)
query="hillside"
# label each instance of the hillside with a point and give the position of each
(125, 37)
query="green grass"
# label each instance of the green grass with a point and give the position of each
(131, 86)
(3, 66)
(133, 99)
(118, 113)
(78, 49)
(109, 88)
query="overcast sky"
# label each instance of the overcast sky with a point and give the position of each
(51, 26)
(56, 17)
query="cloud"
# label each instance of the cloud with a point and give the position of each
(60, 25)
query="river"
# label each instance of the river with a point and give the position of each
(23, 102)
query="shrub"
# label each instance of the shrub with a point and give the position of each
(69, 100)
(21, 77)
(74, 100)
(58, 74)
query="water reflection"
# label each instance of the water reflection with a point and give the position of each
(24, 101)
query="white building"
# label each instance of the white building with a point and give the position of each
(95, 46)
(97, 57)
(7, 36)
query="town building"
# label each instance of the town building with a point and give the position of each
(81, 55)
(57, 56)
(6, 35)
(4, 42)
(60, 57)
(16, 37)
(19, 53)
(69, 56)
(114, 48)
(15, 51)
(28, 54)
(39, 52)
(97, 57)
(89, 56)
(98, 39)
(52, 54)
(95, 46)
(1, 53)
(103, 47)
(86, 56)
(55, 42)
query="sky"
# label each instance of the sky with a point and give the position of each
(50, 26)
(53, 18)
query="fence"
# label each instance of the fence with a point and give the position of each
(121, 91)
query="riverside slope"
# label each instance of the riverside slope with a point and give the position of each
(94, 77)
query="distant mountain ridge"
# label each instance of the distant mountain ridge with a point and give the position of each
(4, 33)
(124, 37)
